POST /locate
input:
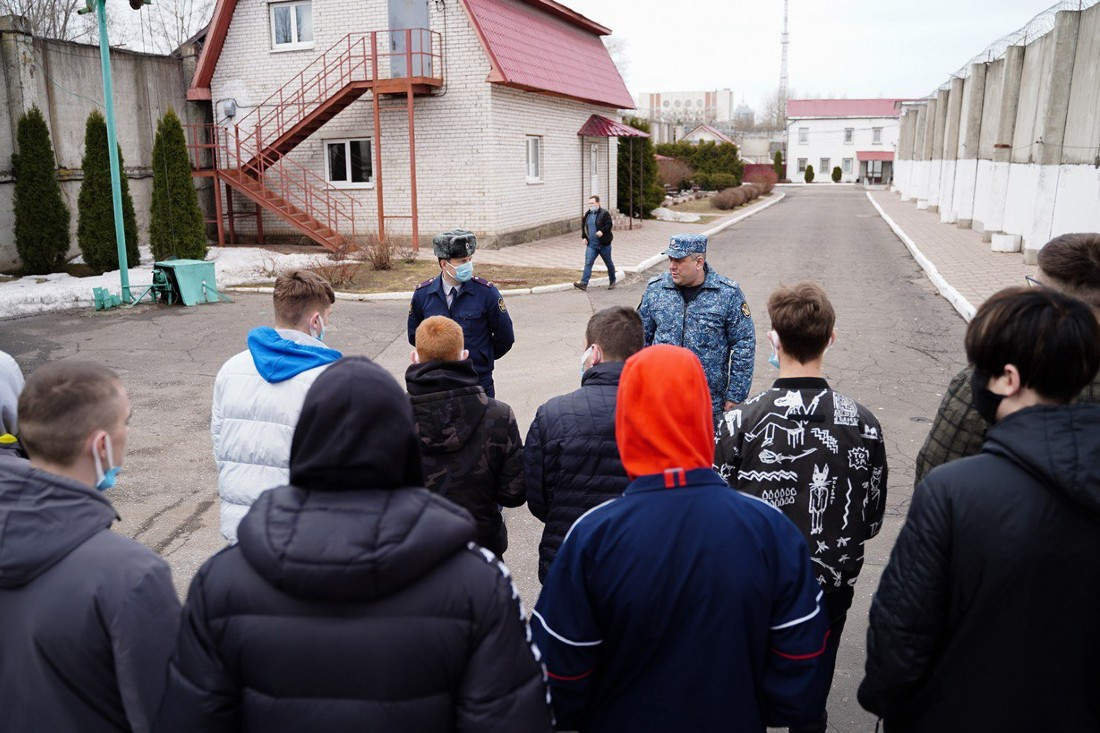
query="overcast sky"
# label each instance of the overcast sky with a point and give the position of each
(851, 48)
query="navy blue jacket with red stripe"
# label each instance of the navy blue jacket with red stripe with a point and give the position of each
(683, 605)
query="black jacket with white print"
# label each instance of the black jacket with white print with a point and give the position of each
(818, 457)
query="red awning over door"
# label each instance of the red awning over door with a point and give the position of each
(875, 155)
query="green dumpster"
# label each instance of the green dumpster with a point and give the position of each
(192, 280)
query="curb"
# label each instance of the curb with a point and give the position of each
(539, 289)
(964, 307)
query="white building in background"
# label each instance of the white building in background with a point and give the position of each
(714, 107)
(706, 133)
(859, 135)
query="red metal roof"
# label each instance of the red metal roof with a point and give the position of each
(599, 126)
(843, 107)
(874, 155)
(532, 48)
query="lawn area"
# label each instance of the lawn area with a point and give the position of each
(350, 276)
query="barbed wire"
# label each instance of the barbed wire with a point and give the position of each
(1041, 24)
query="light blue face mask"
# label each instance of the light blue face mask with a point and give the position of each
(774, 358)
(321, 336)
(105, 479)
(464, 272)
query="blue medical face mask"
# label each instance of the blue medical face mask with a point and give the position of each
(324, 326)
(105, 479)
(464, 272)
(594, 207)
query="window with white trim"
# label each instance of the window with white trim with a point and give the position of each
(802, 165)
(534, 158)
(825, 166)
(803, 135)
(847, 165)
(876, 135)
(292, 25)
(348, 162)
(849, 133)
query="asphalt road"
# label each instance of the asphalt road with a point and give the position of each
(898, 345)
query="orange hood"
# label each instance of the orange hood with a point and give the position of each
(663, 419)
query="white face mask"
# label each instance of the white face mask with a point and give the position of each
(584, 358)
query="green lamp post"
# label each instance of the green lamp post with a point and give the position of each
(99, 8)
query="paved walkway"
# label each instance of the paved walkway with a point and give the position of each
(963, 267)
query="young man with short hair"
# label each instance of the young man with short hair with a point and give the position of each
(596, 225)
(811, 452)
(985, 617)
(469, 441)
(571, 459)
(88, 617)
(259, 392)
(473, 302)
(1069, 264)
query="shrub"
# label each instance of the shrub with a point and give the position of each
(766, 180)
(176, 224)
(706, 157)
(751, 190)
(809, 175)
(41, 217)
(716, 181)
(675, 173)
(340, 268)
(647, 192)
(779, 166)
(95, 228)
(836, 174)
(729, 198)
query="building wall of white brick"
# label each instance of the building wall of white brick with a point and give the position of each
(470, 135)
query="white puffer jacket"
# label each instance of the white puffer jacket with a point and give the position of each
(258, 395)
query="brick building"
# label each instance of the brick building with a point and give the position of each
(858, 135)
(495, 93)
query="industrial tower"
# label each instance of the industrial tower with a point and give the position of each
(784, 41)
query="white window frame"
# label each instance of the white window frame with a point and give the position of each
(293, 45)
(537, 141)
(347, 162)
(876, 136)
(846, 165)
(803, 136)
(802, 163)
(826, 166)
(849, 135)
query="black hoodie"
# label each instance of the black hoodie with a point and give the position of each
(87, 617)
(470, 443)
(355, 599)
(986, 616)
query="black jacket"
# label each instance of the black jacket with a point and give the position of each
(354, 599)
(571, 458)
(87, 617)
(603, 225)
(986, 615)
(469, 444)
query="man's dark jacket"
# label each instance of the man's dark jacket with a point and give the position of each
(603, 225)
(355, 599)
(87, 617)
(469, 443)
(571, 458)
(986, 615)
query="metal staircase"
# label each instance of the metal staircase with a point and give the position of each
(249, 158)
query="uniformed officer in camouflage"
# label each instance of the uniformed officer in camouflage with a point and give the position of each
(473, 302)
(693, 306)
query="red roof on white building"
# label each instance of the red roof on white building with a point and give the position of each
(533, 46)
(802, 108)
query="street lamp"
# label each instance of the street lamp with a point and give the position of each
(99, 8)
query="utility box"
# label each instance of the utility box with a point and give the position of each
(191, 281)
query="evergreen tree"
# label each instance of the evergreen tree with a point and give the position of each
(648, 192)
(808, 176)
(837, 174)
(176, 224)
(777, 164)
(41, 216)
(95, 228)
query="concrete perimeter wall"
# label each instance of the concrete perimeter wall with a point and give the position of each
(63, 80)
(1015, 147)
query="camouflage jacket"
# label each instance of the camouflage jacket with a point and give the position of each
(469, 443)
(716, 326)
(958, 430)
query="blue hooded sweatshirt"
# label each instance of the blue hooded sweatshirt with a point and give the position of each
(278, 359)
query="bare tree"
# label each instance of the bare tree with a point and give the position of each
(171, 22)
(774, 116)
(59, 19)
(616, 46)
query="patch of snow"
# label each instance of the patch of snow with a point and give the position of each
(683, 217)
(35, 294)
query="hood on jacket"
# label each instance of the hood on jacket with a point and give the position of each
(355, 431)
(663, 416)
(43, 517)
(447, 402)
(1058, 444)
(282, 355)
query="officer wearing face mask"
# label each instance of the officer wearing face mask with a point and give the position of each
(473, 302)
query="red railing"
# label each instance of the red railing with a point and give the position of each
(354, 58)
(214, 146)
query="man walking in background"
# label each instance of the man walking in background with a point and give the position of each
(571, 457)
(596, 227)
(259, 392)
